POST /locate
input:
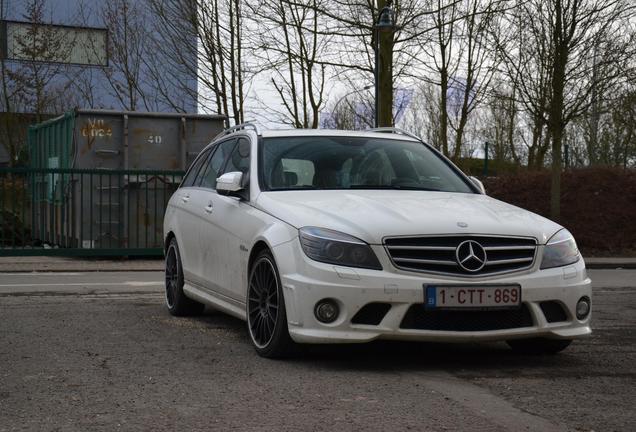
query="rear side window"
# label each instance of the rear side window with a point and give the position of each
(191, 175)
(209, 174)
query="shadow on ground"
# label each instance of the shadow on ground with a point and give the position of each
(380, 355)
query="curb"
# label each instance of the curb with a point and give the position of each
(610, 266)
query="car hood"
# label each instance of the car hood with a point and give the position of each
(371, 215)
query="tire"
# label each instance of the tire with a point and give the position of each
(538, 346)
(265, 309)
(176, 301)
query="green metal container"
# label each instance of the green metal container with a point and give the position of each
(91, 139)
(122, 169)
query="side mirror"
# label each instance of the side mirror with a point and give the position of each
(478, 183)
(230, 183)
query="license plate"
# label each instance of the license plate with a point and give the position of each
(471, 296)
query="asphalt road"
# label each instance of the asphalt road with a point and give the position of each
(98, 352)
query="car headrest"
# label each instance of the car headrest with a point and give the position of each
(291, 178)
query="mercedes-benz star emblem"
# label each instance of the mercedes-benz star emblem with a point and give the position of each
(471, 256)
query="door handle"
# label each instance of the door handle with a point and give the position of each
(209, 208)
(185, 198)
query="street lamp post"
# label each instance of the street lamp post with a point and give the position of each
(384, 25)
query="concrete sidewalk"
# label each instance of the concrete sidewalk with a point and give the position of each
(64, 264)
(610, 263)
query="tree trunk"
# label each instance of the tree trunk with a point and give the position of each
(555, 120)
(443, 112)
(385, 76)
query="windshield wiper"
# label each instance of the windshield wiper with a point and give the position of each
(392, 187)
(294, 188)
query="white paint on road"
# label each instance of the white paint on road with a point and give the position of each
(485, 404)
(41, 274)
(86, 284)
(81, 283)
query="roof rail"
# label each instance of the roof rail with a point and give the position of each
(238, 127)
(395, 131)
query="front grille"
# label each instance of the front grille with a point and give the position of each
(371, 313)
(553, 311)
(420, 318)
(437, 254)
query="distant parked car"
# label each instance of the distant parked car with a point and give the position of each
(316, 236)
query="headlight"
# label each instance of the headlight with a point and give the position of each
(334, 247)
(560, 250)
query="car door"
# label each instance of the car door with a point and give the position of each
(184, 214)
(209, 237)
(233, 223)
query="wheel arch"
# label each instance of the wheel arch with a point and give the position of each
(258, 247)
(167, 241)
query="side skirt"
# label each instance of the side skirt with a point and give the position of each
(218, 301)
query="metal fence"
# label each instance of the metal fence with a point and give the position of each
(88, 212)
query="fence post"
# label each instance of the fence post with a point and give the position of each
(486, 159)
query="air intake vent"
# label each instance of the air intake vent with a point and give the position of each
(553, 311)
(371, 313)
(462, 255)
(419, 318)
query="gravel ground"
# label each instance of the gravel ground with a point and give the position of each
(106, 356)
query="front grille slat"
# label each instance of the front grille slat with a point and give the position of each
(448, 248)
(437, 254)
(424, 261)
(508, 248)
(508, 261)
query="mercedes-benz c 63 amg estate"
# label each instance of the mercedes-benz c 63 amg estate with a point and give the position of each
(317, 236)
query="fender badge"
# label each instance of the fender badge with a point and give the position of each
(462, 224)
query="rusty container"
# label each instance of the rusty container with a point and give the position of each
(138, 160)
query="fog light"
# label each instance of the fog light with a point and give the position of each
(583, 308)
(326, 311)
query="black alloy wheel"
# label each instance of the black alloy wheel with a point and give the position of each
(266, 317)
(172, 276)
(176, 301)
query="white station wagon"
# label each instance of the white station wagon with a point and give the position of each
(318, 236)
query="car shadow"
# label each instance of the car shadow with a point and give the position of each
(464, 358)
(469, 358)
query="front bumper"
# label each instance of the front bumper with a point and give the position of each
(305, 282)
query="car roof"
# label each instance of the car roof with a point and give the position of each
(279, 133)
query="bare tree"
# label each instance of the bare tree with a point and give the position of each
(459, 58)
(609, 130)
(125, 74)
(422, 118)
(288, 47)
(206, 40)
(551, 61)
(41, 50)
(578, 27)
(8, 134)
(500, 121)
(33, 82)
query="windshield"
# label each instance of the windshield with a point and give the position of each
(320, 162)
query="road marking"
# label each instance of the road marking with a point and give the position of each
(43, 273)
(621, 290)
(487, 405)
(86, 284)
